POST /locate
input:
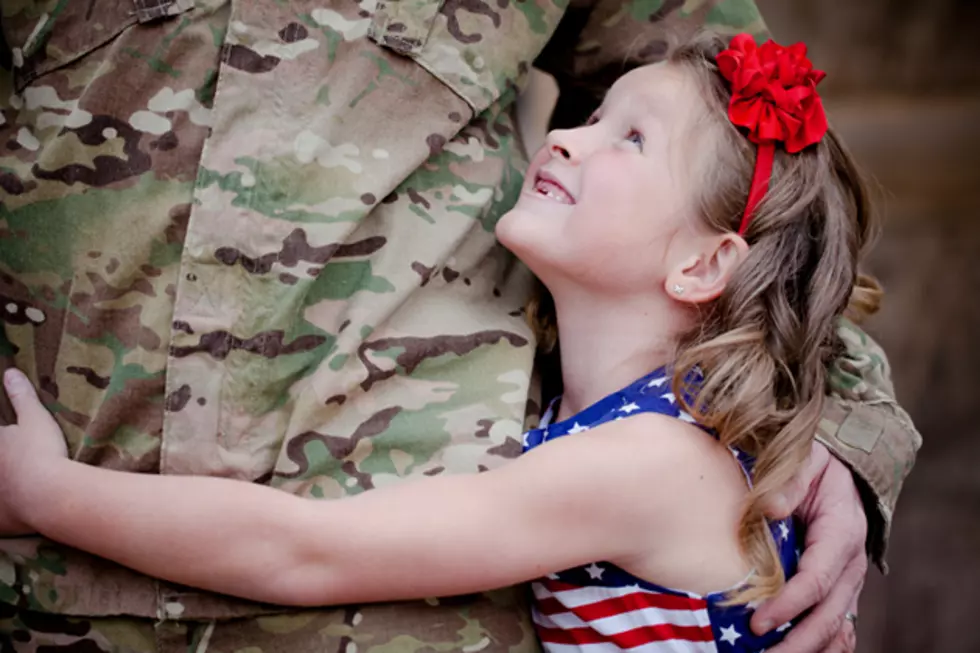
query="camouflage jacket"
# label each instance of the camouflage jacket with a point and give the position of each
(255, 240)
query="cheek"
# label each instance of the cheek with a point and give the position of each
(622, 229)
(630, 197)
(614, 201)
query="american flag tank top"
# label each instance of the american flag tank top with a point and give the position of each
(599, 607)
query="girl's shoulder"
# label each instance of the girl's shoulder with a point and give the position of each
(654, 458)
(677, 451)
(670, 489)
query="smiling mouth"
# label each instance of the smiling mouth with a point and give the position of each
(549, 187)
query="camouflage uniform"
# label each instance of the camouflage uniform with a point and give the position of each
(255, 239)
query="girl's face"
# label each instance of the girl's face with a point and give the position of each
(605, 204)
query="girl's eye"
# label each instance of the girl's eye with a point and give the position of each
(636, 138)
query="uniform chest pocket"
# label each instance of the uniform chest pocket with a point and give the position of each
(478, 48)
(43, 35)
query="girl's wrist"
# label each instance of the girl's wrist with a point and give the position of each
(35, 490)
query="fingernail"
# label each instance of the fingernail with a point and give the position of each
(765, 627)
(14, 379)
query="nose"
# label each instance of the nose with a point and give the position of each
(562, 144)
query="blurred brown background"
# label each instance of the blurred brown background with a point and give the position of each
(903, 88)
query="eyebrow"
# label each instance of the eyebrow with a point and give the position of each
(652, 106)
(644, 111)
(648, 104)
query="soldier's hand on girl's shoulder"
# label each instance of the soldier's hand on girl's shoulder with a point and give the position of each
(834, 563)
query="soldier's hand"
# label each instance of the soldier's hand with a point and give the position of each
(36, 439)
(834, 563)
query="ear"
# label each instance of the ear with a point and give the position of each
(703, 276)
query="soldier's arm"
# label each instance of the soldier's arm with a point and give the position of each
(864, 426)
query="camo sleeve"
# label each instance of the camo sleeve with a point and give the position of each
(864, 426)
(598, 40)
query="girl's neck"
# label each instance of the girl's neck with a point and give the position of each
(609, 342)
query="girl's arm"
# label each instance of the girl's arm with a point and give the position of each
(568, 503)
(428, 537)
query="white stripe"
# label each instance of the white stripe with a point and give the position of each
(542, 619)
(633, 619)
(574, 648)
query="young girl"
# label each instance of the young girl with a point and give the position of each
(698, 237)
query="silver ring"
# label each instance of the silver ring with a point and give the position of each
(853, 618)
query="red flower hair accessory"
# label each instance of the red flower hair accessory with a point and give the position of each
(774, 97)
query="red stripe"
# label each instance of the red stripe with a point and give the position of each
(662, 633)
(578, 636)
(636, 601)
(558, 586)
(649, 599)
(550, 606)
(627, 639)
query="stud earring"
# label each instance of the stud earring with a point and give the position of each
(678, 289)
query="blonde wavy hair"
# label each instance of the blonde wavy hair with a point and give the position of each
(761, 350)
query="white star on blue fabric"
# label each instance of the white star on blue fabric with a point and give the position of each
(783, 531)
(686, 417)
(785, 626)
(594, 571)
(669, 397)
(629, 408)
(657, 382)
(729, 635)
(577, 428)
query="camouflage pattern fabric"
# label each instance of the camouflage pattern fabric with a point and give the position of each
(867, 429)
(494, 623)
(255, 240)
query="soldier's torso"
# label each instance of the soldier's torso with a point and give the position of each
(256, 240)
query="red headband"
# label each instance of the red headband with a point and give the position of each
(774, 96)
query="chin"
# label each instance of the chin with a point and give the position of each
(529, 237)
(521, 231)
(507, 228)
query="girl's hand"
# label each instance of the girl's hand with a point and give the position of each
(33, 443)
